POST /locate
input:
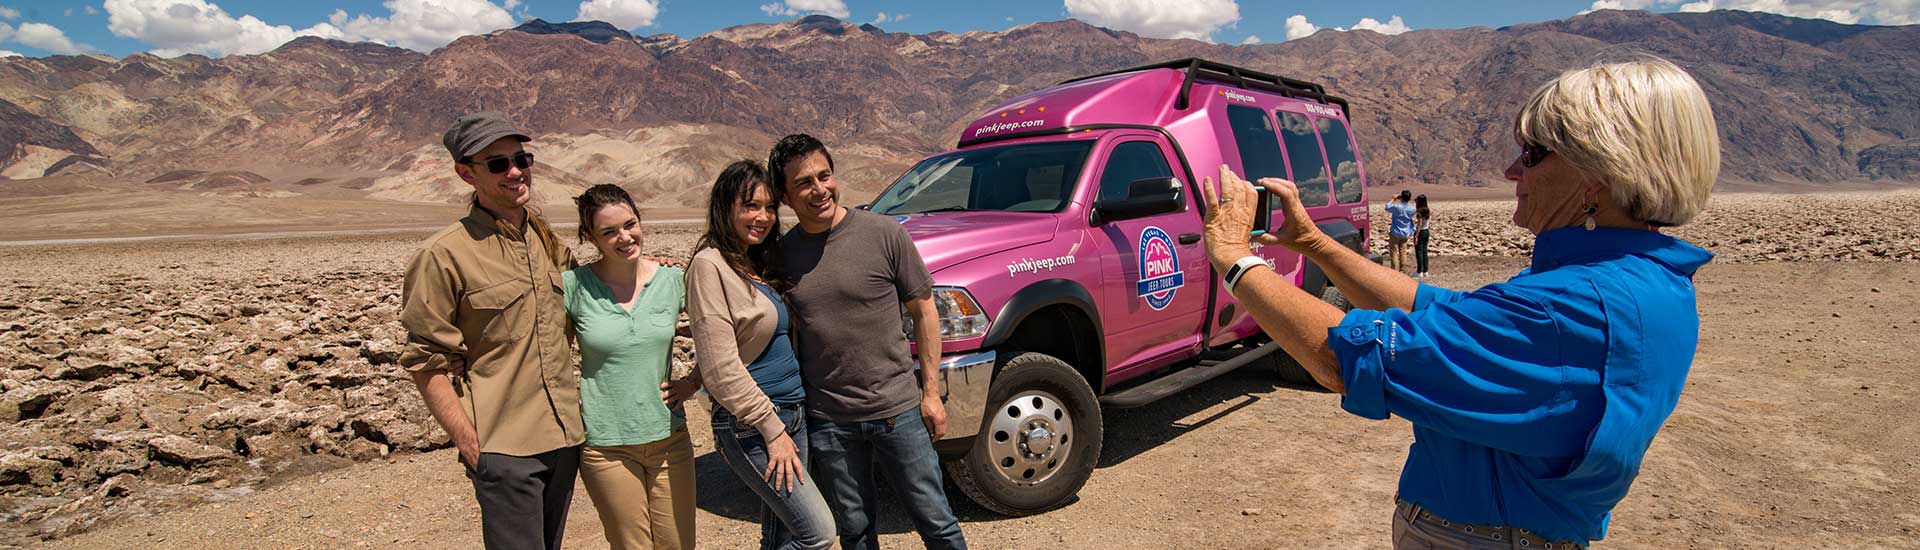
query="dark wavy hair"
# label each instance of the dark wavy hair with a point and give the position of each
(789, 148)
(736, 184)
(1420, 207)
(597, 197)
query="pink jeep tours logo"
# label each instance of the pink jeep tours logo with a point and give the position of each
(1160, 275)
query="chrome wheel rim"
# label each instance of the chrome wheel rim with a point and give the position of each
(1030, 438)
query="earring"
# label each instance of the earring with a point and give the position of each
(1590, 211)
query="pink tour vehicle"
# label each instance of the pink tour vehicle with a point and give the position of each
(1064, 240)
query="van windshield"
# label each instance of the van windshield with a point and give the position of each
(1033, 177)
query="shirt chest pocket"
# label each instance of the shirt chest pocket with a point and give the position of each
(658, 315)
(502, 311)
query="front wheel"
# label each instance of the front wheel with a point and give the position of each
(1039, 441)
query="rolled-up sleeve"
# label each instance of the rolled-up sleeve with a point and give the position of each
(1483, 366)
(429, 298)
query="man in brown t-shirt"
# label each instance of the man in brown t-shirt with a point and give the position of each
(851, 272)
(487, 345)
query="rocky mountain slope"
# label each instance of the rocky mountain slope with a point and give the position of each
(1798, 100)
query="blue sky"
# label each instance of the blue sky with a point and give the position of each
(223, 27)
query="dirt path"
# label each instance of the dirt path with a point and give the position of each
(1796, 431)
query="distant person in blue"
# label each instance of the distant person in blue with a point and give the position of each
(1532, 401)
(1400, 212)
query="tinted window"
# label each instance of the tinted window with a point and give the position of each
(1309, 170)
(1346, 167)
(1130, 162)
(1259, 147)
(1036, 177)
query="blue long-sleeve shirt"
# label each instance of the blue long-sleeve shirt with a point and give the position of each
(1534, 400)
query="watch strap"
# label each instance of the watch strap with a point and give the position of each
(1240, 269)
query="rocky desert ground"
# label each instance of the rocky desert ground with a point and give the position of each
(242, 394)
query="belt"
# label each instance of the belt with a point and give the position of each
(1519, 538)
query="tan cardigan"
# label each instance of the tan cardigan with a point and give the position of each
(732, 323)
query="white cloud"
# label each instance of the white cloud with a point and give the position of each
(1879, 12)
(1250, 40)
(626, 14)
(1298, 27)
(1393, 26)
(425, 24)
(10, 53)
(197, 26)
(1195, 19)
(10, 13)
(789, 8)
(89, 9)
(42, 36)
(884, 18)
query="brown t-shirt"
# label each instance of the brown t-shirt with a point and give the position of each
(848, 286)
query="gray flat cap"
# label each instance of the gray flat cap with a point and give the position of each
(475, 131)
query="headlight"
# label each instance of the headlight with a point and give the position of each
(960, 316)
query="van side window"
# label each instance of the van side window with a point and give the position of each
(1346, 167)
(1259, 146)
(1309, 170)
(1129, 162)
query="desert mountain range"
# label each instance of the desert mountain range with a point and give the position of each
(1798, 101)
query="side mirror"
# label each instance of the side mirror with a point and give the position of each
(1145, 197)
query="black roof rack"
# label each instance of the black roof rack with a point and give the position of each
(1244, 78)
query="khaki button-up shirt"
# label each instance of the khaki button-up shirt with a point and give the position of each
(488, 294)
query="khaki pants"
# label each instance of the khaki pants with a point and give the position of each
(644, 492)
(1397, 253)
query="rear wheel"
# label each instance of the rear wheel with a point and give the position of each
(1039, 441)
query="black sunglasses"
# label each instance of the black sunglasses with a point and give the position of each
(521, 160)
(1532, 154)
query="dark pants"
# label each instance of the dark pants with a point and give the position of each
(789, 520)
(1420, 251)
(845, 457)
(524, 499)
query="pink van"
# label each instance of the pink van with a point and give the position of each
(1063, 235)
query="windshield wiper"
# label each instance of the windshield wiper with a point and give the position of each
(942, 209)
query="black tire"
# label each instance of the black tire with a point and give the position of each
(1291, 373)
(1044, 395)
(1333, 296)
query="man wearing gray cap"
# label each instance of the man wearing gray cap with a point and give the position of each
(487, 341)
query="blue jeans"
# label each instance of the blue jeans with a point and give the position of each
(789, 520)
(900, 449)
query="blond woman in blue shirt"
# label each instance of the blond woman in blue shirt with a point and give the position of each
(1532, 401)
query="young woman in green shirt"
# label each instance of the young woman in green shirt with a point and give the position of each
(638, 460)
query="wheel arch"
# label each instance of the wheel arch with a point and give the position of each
(1036, 318)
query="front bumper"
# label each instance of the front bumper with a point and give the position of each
(964, 382)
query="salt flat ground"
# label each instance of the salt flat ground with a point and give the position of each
(1795, 431)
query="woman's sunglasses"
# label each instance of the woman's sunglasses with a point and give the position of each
(522, 160)
(1532, 154)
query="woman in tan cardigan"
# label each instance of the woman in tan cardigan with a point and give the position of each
(740, 330)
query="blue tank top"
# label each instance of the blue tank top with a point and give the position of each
(777, 371)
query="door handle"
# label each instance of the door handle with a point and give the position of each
(1189, 238)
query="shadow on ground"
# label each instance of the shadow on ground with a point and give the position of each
(1129, 432)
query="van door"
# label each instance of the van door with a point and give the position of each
(1254, 141)
(1153, 288)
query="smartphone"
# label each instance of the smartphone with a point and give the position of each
(1263, 211)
